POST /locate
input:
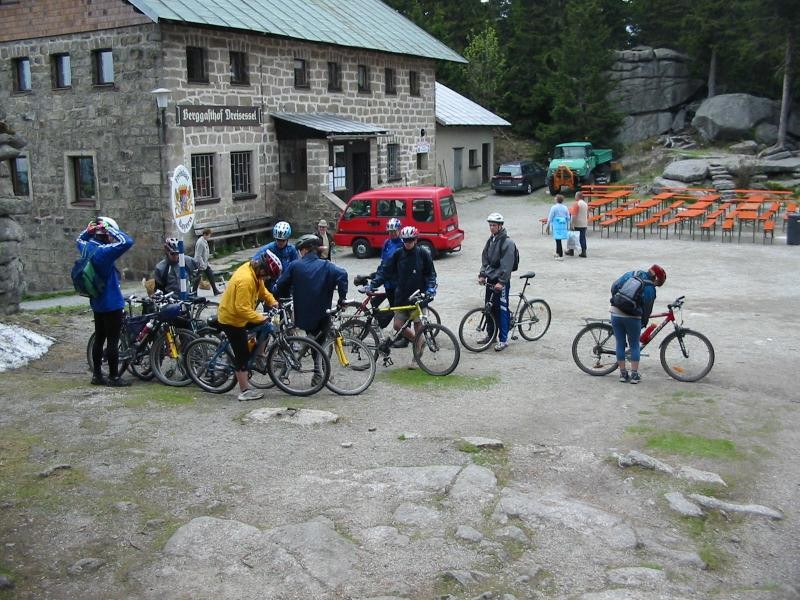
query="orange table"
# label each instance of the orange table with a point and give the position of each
(690, 215)
(743, 216)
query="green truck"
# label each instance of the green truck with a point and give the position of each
(575, 163)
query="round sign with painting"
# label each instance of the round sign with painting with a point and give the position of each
(182, 199)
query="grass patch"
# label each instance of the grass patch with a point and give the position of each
(417, 378)
(467, 447)
(61, 310)
(675, 442)
(495, 459)
(48, 295)
(639, 429)
(141, 395)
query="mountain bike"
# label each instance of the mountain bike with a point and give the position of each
(686, 355)
(296, 364)
(531, 318)
(435, 347)
(369, 307)
(353, 364)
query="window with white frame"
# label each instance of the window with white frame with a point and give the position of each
(240, 173)
(81, 179)
(20, 175)
(203, 176)
(22, 74)
(61, 72)
(103, 62)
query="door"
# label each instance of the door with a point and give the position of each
(485, 157)
(457, 166)
(350, 161)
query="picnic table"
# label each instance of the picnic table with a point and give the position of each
(745, 216)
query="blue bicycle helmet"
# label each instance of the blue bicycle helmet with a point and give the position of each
(282, 230)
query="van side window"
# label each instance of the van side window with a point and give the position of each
(422, 210)
(358, 208)
(391, 208)
(448, 207)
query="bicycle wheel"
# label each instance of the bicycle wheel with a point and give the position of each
(354, 370)
(124, 352)
(687, 355)
(209, 363)
(473, 331)
(139, 363)
(169, 366)
(361, 330)
(534, 319)
(298, 365)
(594, 349)
(436, 350)
(433, 316)
(259, 372)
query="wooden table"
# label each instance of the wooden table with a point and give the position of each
(690, 215)
(742, 216)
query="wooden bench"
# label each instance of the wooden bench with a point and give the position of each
(769, 231)
(665, 225)
(708, 227)
(234, 227)
(727, 228)
(543, 223)
(646, 224)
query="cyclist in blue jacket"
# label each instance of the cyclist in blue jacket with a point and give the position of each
(390, 246)
(104, 240)
(280, 247)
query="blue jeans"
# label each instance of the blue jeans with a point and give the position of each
(500, 310)
(627, 328)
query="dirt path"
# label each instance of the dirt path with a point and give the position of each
(384, 503)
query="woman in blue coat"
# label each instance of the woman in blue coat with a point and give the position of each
(558, 222)
(105, 243)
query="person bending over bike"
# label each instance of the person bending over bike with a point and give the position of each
(237, 313)
(311, 282)
(497, 262)
(628, 323)
(167, 272)
(411, 268)
(104, 240)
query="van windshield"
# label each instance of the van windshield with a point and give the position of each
(358, 208)
(448, 207)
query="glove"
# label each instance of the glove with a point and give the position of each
(430, 292)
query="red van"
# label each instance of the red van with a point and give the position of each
(430, 209)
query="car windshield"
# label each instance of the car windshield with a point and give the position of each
(569, 152)
(509, 170)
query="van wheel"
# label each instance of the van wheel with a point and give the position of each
(361, 248)
(429, 247)
(529, 189)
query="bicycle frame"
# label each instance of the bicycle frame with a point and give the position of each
(669, 317)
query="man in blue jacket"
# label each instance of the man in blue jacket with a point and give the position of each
(280, 247)
(105, 242)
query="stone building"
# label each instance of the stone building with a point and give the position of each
(281, 110)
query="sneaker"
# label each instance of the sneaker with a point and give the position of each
(635, 377)
(118, 382)
(484, 341)
(559, 257)
(623, 376)
(250, 394)
(500, 346)
(316, 380)
(99, 380)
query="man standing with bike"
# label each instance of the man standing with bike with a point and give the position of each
(411, 268)
(390, 246)
(497, 263)
(237, 313)
(632, 299)
(104, 242)
(167, 272)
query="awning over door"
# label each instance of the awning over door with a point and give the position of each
(329, 124)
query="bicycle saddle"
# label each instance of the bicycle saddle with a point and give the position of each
(528, 275)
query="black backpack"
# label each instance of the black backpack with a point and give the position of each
(628, 298)
(84, 276)
(515, 266)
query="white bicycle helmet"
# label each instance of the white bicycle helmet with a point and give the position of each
(171, 244)
(282, 230)
(409, 233)
(393, 224)
(272, 264)
(495, 217)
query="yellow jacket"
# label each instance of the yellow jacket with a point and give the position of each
(243, 290)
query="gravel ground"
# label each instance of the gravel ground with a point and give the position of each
(147, 460)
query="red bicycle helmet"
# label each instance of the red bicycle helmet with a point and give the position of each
(659, 273)
(272, 264)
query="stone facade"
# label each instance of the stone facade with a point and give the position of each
(117, 126)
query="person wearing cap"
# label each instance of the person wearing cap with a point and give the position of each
(326, 244)
(311, 281)
(167, 272)
(628, 325)
(497, 262)
(105, 242)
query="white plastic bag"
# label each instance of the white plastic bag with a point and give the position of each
(573, 240)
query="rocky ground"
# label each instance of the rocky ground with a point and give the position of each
(503, 480)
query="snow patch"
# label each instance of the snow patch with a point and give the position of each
(18, 346)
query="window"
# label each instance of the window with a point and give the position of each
(473, 159)
(103, 67)
(422, 210)
(60, 70)
(393, 162)
(363, 78)
(422, 161)
(22, 74)
(391, 208)
(447, 207)
(413, 83)
(20, 176)
(292, 155)
(358, 208)
(203, 176)
(300, 73)
(81, 180)
(239, 72)
(334, 77)
(196, 69)
(240, 173)
(391, 84)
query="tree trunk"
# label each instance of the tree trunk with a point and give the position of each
(712, 73)
(786, 97)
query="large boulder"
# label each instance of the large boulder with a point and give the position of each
(687, 171)
(733, 116)
(639, 127)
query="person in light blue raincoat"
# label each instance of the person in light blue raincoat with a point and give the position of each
(558, 222)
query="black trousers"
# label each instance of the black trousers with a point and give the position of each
(107, 326)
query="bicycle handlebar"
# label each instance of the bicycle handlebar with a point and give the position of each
(677, 303)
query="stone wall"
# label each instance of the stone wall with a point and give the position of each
(12, 282)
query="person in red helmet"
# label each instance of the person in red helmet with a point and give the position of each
(632, 297)
(237, 313)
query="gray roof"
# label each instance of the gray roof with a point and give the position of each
(367, 24)
(454, 109)
(329, 123)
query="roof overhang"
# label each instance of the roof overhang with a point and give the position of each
(330, 125)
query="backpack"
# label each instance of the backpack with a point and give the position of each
(84, 277)
(628, 298)
(515, 266)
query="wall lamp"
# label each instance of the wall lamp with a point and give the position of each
(162, 100)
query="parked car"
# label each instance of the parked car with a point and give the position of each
(430, 209)
(519, 176)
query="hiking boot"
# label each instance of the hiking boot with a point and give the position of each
(118, 382)
(384, 346)
(500, 346)
(570, 253)
(99, 380)
(623, 376)
(635, 377)
(484, 341)
(582, 254)
(250, 394)
(316, 380)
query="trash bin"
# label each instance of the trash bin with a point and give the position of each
(793, 229)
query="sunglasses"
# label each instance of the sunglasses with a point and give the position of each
(409, 240)
(174, 253)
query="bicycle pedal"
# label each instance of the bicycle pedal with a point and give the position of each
(514, 337)
(387, 361)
